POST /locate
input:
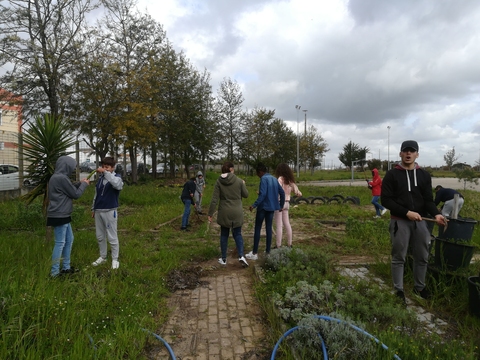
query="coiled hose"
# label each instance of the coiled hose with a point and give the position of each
(325, 354)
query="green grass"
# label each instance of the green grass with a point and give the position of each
(100, 314)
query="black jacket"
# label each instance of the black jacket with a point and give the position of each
(408, 190)
(188, 190)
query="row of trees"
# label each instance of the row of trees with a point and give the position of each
(121, 87)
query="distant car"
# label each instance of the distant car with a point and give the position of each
(141, 168)
(88, 166)
(196, 167)
(9, 177)
(160, 169)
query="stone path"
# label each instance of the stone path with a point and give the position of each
(218, 320)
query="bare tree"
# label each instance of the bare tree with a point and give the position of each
(38, 44)
(230, 101)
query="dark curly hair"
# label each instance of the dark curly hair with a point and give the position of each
(285, 171)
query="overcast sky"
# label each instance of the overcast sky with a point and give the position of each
(357, 66)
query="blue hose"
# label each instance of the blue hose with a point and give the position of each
(328, 318)
(170, 351)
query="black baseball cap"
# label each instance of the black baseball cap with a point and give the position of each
(409, 144)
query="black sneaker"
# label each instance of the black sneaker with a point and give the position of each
(424, 294)
(401, 295)
(72, 270)
(184, 229)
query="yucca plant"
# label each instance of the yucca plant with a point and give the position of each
(44, 142)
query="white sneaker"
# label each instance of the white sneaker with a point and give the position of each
(243, 261)
(383, 212)
(222, 262)
(99, 261)
(115, 264)
(251, 256)
(377, 217)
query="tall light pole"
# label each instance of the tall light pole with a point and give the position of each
(388, 147)
(298, 143)
(305, 135)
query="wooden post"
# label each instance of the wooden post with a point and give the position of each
(455, 207)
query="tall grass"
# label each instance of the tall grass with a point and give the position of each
(96, 313)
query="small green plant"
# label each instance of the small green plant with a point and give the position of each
(341, 340)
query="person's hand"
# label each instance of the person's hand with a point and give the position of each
(209, 219)
(87, 181)
(441, 220)
(93, 214)
(100, 169)
(251, 208)
(414, 216)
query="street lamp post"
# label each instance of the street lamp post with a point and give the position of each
(298, 143)
(305, 135)
(388, 147)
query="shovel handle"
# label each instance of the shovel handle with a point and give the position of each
(433, 220)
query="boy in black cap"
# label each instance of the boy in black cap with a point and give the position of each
(407, 193)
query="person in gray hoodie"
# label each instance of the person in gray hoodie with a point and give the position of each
(61, 192)
(200, 183)
(228, 193)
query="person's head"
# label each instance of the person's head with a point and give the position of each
(438, 187)
(409, 153)
(108, 163)
(284, 171)
(374, 172)
(261, 169)
(227, 167)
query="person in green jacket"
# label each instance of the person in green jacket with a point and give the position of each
(228, 193)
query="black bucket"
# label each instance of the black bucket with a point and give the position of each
(474, 295)
(452, 255)
(458, 229)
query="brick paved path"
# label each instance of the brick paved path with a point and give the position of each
(220, 320)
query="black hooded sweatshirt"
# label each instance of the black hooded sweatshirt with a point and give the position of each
(408, 190)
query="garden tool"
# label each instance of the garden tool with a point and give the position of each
(433, 220)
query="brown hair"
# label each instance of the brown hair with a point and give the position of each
(285, 171)
(227, 165)
(108, 160)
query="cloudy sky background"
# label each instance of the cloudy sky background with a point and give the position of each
(357, 66)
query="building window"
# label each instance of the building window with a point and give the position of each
(0, 116)
(2, 145)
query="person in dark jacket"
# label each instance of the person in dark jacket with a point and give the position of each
(407, 193)
(188, 200)
(61, 192)
(228, 193)
(104, 211)
(376, 186)
(271, 197)
(447, 196)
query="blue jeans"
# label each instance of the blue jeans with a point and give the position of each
(375, 203)
(268, 217)
(237, 236)
(62, 249)
(186, 212)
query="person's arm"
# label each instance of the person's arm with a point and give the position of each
(262, 193)
(388, 196)
(116, 181)
(281, 193)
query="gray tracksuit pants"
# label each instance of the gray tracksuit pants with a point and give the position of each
(106, 229)
(403, 233)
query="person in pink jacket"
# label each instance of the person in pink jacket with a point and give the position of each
(376, 186)
(286, 180)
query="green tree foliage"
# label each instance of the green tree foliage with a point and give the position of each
(41, 38)
(451, 158)
(353, 153)
(43, 143)
(313, 147)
